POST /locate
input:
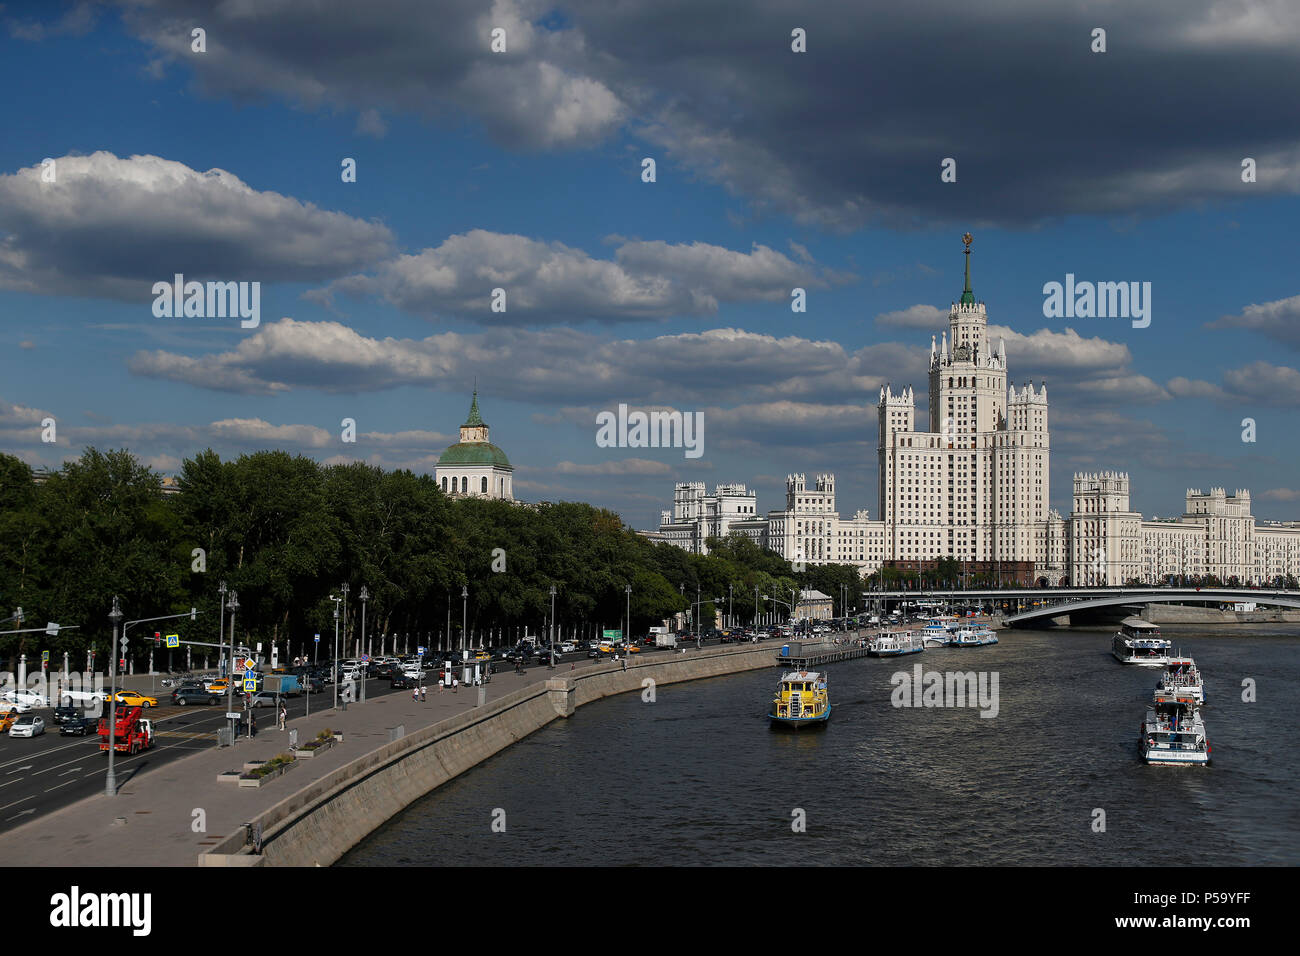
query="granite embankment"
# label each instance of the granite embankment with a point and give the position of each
(326, 818)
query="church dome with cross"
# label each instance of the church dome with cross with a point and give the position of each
(474, 466)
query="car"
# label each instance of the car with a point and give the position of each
(79, 727)
(27, 725)
(263, 698)
(544, 655)
(399, 681)
(194, 695)
(131, 698)
(63, 715)
(28, 697)
(7, 720)
(568, 647)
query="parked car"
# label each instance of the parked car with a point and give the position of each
(79, 727)
(194, 695)
(27, 725)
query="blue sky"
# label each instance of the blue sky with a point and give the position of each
(775, 170)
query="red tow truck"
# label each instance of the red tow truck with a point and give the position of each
(131, 733)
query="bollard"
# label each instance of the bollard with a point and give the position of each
(482, 696)
(293, 740)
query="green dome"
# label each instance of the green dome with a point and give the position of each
(474, 453)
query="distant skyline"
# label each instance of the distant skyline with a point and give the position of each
(523, 170)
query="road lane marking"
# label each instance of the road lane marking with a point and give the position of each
(21, 769)
(16, 802)
(64, 784)
(66, 772)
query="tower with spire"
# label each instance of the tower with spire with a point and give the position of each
(974, 484)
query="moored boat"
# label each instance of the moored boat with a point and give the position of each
(1139, 642)
(938, 631)
(973, 637)
(895, 644)
(802, 700)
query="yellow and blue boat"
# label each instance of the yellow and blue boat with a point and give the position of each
(802, 700)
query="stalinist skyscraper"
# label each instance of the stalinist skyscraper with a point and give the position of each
(974, 483)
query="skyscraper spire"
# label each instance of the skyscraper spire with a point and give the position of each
(967, 296)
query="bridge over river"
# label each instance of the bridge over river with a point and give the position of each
(1038, 606)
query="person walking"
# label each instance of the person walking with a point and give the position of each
(252, 724)
(284, 714)
(423, 694)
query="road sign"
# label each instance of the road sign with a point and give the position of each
(421, 650)
(317, 638)
(612, 635)
(52, 629)
(250, 685)
(250, 664)
(365, 658)
(123, 642)
(45, 657)
(233, 716)
(173, 640)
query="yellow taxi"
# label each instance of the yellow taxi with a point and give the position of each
(130, 698)
(7, 720)
(482, 656)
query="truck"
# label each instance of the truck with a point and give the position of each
(131, 733)
(663, 637)
(289, 685)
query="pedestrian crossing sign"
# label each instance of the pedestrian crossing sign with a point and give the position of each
(250, 685)
(173, 640)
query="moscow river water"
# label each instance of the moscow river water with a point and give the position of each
(699, 777)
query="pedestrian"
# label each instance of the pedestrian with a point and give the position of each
(455, 684)
(415, 693)
(423, 694)
(284, 714)
(252, 724)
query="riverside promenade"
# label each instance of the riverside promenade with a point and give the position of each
(172, 814)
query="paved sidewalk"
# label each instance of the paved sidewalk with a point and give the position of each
(154, 820)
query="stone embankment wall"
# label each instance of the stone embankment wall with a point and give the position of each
(321, 822)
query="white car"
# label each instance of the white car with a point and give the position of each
(27, 725)
(568, 647)
(28, 697)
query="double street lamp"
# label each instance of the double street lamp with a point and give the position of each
(233, 607)
(115, 616)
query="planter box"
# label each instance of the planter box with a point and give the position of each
(310, 752)
(252, 764)
(267, 777)
(338, 738)
(229, 776)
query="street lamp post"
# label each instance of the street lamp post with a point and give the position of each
(344, 588)
(365, 596)
(627, 635)
(552, 641)
(335, 681)
(221, 626)
(115, 616)
(464, 617)
(233, 607)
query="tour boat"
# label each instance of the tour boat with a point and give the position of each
(895, 644)
(1181, 680)
(938, 631)
(973, 637)
(801, 701)
(1139, 642)
(1173, 734)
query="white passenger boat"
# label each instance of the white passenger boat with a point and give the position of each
(1181, 680)
(1173, 734)
(938, 631)
(895, 644)
(1139, 642)
(973, 637)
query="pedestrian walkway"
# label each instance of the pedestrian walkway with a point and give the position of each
(168, 815)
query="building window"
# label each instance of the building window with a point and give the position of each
(444, 483)
(464, 485)
(484, 487)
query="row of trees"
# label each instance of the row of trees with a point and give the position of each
(286, 532)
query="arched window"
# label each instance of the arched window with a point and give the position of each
(464, 485)
(444, 483)
(484, 487)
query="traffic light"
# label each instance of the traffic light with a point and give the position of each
(121, 662)
(157, 638)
